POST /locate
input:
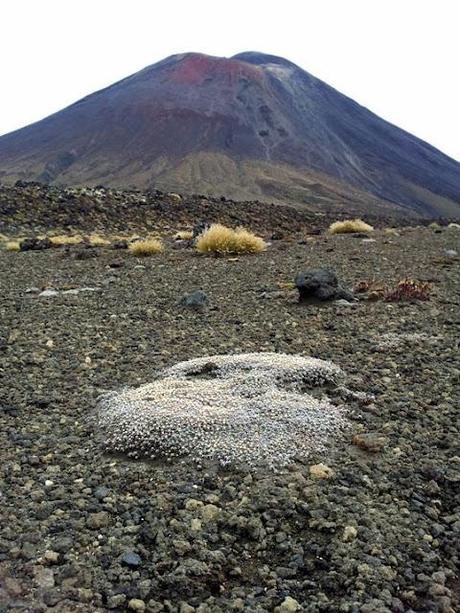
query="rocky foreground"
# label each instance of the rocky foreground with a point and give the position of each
(374, 530)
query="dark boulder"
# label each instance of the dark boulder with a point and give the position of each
(35, 244)
(120, 244)
(320, 285)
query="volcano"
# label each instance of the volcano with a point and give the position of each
(253, 126)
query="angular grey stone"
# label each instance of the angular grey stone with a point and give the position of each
(197, 300)
(101, 492)
(131, 559)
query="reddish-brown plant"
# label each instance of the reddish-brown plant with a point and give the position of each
(409, 289)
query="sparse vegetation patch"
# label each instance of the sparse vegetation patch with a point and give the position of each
(350, 226)
(406, 289)
(409, 289)
(220, 239)
(96, 240)
(146, 247)
(12, 246)
(63, 239)
(251, 409)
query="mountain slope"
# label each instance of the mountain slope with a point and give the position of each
(252, 126)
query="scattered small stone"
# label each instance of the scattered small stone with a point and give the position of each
(197, 300)
(51, 557)
(101, 492)
(182, 547)
(369, 441)
(98, 520)
(195, 525)
(136, 605)
(84, 594)
(12, 586)
(450, 253)
(289, 605)
(210, 512)
(44, 577)
(193, 505)
(321, 471)
(349, 534)
(116, 601)
(131, 559)
(62, 544)
(7, 409)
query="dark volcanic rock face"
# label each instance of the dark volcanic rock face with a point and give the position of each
(252, 126)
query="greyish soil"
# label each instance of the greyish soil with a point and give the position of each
(83, 531)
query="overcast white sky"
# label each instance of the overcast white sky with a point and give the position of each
(399, 58)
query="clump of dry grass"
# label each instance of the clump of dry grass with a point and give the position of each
(12, 246)
(146, 247)
(184, 235)
(65, 239)
(96, 240)
(220, 239)
(406, 289)
(409, 289)
(373, 289)
(350, 226)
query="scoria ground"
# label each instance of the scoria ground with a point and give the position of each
(84, 531)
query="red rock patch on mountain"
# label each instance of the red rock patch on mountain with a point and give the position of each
(253, 126)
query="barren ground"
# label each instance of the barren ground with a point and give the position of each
(256, 539)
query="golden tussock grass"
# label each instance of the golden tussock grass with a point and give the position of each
(349, 226)
(12, 246)
(220, 239)
(96, 240)
(65, 239)
(146, 247)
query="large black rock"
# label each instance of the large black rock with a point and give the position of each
(35, 244)
(320, 285)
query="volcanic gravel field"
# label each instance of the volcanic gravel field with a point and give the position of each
(84, 531)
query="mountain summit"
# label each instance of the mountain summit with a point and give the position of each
(253, 126)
